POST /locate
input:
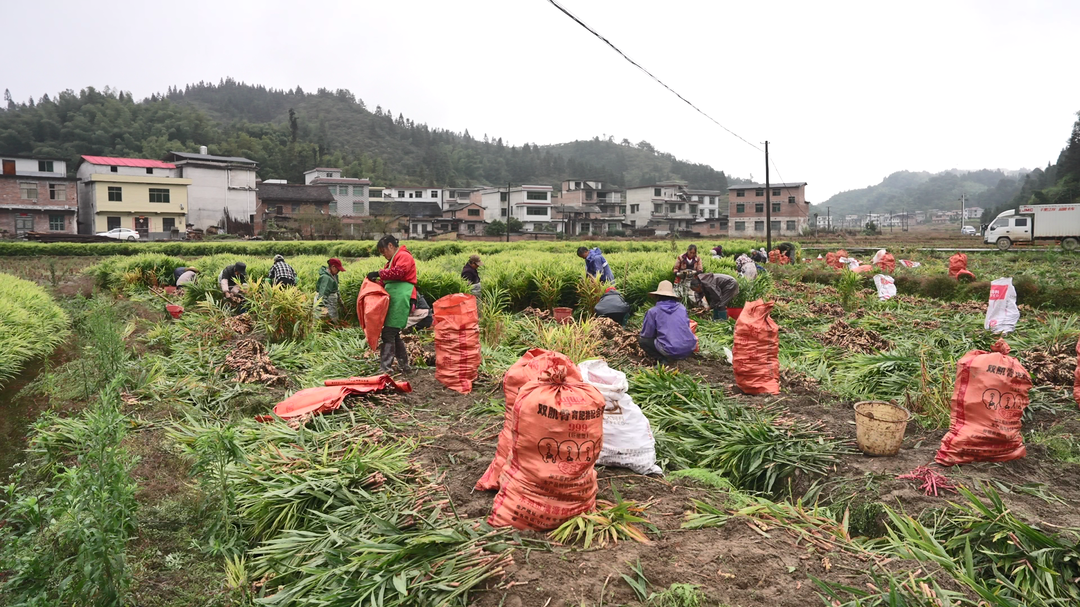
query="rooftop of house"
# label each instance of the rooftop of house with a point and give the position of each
(322, 169)
(346, 180)
(402, 207)
(573, 208)
(461, 205)
(289, 192)
(182, 156)
(756, 186)
(705, 192)
(32, 157)
(142, 163)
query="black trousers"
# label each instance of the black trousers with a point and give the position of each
(649, 345)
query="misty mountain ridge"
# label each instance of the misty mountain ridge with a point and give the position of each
(923, 191)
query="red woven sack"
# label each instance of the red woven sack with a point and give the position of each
(530, 366)
(756, 353)
(987, 404)
(887, 264)
(457, 341)
(957, 264)
(557, 435)
(776, 257)
(371, 307)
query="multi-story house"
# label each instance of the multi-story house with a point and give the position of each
(746, 209)
(606, 208)
(148, 196)
(303, 208)
(973, 212)
(466, 219)
(351, 195)
(455, 196)
(36, 195)
(417, 218)
(712, 214)
(413, 194)
(529, 203)
(222, 190)
(665, 207)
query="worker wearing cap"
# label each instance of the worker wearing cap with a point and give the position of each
(471, 273)
(327, 287)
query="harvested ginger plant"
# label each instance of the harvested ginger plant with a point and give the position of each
(616, 342)
(1053, 367)
(248, 358)
(856, 339)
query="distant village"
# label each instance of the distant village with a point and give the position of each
(898, 220)
(189, 195)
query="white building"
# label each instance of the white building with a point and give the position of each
(973, 212)
(220, 186)
(529, 203)
(665, 206)
(413, 194)
(350, 194)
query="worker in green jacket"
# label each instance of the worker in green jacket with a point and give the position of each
(327, 288)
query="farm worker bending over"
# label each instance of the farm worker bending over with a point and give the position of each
(717, 291)
(746, 267)
(613, 306)
(281, 273)
(665, 332)
(595, 264)
(787, 250)
(399, 279)
(231, 278)
(718, 251)
(186, 277)
(688, 263)
(471, 273)
(327, 287)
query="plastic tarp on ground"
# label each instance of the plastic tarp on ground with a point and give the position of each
(313, 401)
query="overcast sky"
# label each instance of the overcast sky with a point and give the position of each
(846, 92)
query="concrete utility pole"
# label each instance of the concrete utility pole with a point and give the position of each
(508, 211)
(962, 211)
(768, 203)
(828, 219)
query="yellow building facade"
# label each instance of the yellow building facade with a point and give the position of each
(147, 204)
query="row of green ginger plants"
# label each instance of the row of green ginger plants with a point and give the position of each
(32, 325)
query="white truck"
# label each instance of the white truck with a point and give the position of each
(1051, 222)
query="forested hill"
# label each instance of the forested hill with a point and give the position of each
(290, 131)
(911, 191)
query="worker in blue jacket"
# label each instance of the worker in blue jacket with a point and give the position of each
(595, 264)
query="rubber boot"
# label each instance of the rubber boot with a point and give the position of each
(386, 356)
(402, 356)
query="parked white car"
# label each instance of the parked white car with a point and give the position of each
(968, 231)
(120, 234)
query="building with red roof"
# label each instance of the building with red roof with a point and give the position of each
(143, 194)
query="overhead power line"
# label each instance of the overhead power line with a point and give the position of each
(647, 72)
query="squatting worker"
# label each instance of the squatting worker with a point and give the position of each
(717, 291)
(421, 317)
(688, 262)
(665, 332)
(186, 277)
(595, 264)
(471, 273)
(281, 273)
(787, 250)
(398, 276)
(327, 288)
(232, 277)
(613, 306)
(718, 250)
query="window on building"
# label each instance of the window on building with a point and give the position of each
(791, 199)
(358, 190)
(577, 185)
(473, 213)
(149, 170)
(776, 207)
(740, 193)
(536, 211)
(24, 222)
(502, 196)
(415, 227)
(759, 207)
(111, 223)
(712, 213)
(168, 224)
(701, 213)
(113, 169)
(693, 209)
(634, 208)
(613, 227)
(622, 209)
(657, 192)
(759, 226)
(712, 199)
(28, 191)
(536, 196)
(281, 210)
(295, 208)
(657, 208)
(57, 191)
(471, 227)
(414, 194)
(585, 228)
(759, 192)
(56, 223)
(740, 207)
(401, 193)
(588, 195)
(453, 193)
(740, 226)
(329, 174)
(116, 193)
(333, 208)
(159, 194)
(46, 166)
(776, 192)
(358, 207)
(775, 226)
(791, 226)
(435, 194)
(633, 223)
(502, 212)
(681, 207)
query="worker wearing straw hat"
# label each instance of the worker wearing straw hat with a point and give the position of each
(665, 332)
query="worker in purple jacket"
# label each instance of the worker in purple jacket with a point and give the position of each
(665, 332)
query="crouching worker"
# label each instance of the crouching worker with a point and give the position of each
(665, 332)
(398, 277)
(613, 306)
(421, 317)
(716, 291)
(327, 288)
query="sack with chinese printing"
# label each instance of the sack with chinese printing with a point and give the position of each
(628, 438)
(457, 341)
(886, 286)
(987, 404)
(958, 267)
(530, 366)
(1002, 313)
(756, 353)
(550, 475)
(884, 261)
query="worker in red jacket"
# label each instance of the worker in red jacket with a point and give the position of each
(398, 277)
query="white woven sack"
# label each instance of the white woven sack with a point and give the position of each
(1002, 313)
(886, 286)
(628, 438)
